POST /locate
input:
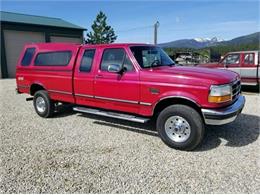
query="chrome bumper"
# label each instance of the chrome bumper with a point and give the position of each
(223, 116)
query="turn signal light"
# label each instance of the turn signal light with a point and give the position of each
(219, 99)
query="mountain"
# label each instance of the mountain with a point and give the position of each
(243, 40)
(192, 43)
(198, 43)
(208, 40)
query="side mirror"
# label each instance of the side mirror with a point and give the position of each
(224, 63)
(114, 68)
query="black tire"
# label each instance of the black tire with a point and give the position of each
(49, 104)
(192, 117)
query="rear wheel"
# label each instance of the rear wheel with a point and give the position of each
(43, 105)
(180, 127)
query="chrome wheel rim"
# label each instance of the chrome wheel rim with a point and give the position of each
(40, 104)
(177, 128)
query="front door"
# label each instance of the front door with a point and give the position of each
(117, 91)
(232, 62)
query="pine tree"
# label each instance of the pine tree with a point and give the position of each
(102, 32)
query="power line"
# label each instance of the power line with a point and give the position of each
(136, 28)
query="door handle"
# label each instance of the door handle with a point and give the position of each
(99, 76)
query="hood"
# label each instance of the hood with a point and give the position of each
(193, 75)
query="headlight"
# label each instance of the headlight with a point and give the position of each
(220, 93)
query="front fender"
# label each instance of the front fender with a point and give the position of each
(195, 98)
(148, 109)
(188, 97)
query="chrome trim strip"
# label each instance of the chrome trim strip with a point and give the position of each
(113, 99)
(145, 103)
(57, 91)
(84, 95)
(118, 100)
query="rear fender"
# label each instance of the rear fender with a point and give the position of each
(36, 83)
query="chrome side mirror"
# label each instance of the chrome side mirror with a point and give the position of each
(114, 68)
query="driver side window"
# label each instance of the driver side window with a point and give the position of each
(232, 59)
(115, 56)
(128, 64)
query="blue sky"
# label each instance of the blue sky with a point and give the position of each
(133, 20)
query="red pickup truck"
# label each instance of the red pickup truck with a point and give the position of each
(245, 63)
(134, 82)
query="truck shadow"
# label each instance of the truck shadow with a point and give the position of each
(147, 128)
(244, 131)
(63, 111)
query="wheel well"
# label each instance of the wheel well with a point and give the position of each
(34, 88)
(170, 101)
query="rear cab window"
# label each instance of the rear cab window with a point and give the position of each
(249, 58)
(87, 60)
(28, 56)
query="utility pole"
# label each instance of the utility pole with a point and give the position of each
(156, 25)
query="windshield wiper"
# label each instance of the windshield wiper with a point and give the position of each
(158, 65)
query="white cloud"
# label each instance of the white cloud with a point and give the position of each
(177, 19)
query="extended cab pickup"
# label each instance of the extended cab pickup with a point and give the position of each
(135, 82)
(245, 63)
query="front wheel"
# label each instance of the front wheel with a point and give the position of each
(180, 127)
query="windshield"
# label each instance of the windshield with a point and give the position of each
(151, 56)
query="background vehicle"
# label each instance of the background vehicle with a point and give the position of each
(190, 58)
(134, 82)
(245, 63)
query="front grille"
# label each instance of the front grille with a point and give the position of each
(236, 89)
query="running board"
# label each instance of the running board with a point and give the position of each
(127, 117)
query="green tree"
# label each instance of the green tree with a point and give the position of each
(101, 31)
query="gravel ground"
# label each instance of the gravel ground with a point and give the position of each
(83, 153)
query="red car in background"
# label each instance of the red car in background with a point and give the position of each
(245, 63)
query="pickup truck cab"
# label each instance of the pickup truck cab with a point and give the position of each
(134, 82)
(245, 63)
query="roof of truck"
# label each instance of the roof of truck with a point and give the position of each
(95, 45)
(252, 51)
